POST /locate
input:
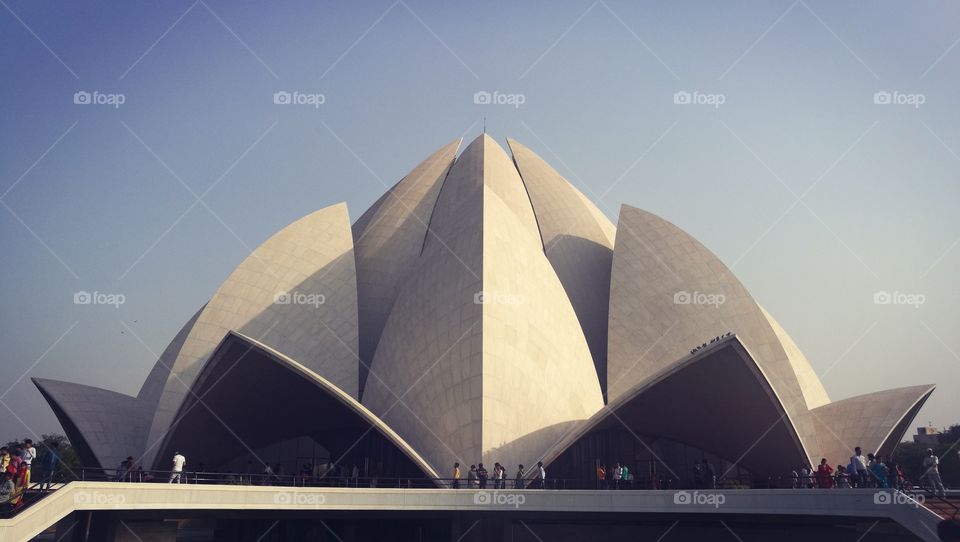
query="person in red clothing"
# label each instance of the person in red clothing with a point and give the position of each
(20, 481)
(824, 474)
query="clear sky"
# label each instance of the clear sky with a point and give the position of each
(818, 197)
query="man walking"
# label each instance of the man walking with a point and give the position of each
(709, 475)
(178, 462)
(29, 454)
(857, 460)
(541, 475)
(50, 464)
(456, 476)
(472, 477)
(931, 470)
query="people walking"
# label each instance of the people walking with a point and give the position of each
(931, 471)
(472, 477)
(698, 475)
(878, 471)
(617, 471)
(179, 461)
(858, 468)
(29, 453)
(482, 475)
(5, 458)
(50, 464)
(824, 474)
(893, 479)
(542, 476)
(806, 476)
(125, 472)
(601, 476)
(843, 477)
(625, 476)
(7, 491)
(709, 475)
(456, 476)
(518, 480)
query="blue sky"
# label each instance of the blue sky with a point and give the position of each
(818, 197)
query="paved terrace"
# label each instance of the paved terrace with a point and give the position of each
(111, 496)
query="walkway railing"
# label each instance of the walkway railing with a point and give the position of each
(39, 489)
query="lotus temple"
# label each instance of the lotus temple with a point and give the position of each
(482, 310)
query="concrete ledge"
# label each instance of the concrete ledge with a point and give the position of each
(110, 496)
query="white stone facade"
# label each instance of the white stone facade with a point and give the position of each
(485, 310)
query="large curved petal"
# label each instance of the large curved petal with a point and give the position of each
(103, 426)
(296, 292)
(669, 293)
(249, 395)
(876, 422)
(718, 400)
(814, 394)
(482, 346)
(388, 239)
(578, 241)
(157, 378)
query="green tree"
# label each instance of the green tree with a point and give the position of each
(951, 435)
(910, 456)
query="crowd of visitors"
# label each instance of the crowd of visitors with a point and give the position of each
(861, 471)
(478, 477)
(15, 466)
(868, 471)
(618, 477)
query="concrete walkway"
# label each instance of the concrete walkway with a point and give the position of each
(111, 496)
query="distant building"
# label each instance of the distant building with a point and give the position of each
(927, 435)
